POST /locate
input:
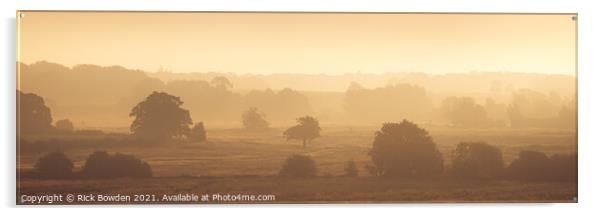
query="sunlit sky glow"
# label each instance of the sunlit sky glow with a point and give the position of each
(267, 43)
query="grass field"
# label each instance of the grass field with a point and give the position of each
(238, 161)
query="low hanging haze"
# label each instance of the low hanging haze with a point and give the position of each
(308, 43)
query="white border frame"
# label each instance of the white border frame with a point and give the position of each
(590, 143)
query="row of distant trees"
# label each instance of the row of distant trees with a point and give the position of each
(159, 117)
(404, 150)
(213, 99)
(527, 108)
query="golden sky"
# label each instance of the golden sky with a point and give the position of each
(302, 42)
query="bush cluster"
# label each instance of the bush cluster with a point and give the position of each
(100, 164)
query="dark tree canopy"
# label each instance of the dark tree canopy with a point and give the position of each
(563, 167)
(530, 165)
(477, 160)
(298, 166)
(160, 117)
(33, 116)
(100, 164)
(254, 120)
(54, 165)
(64, 125)
(307, 129)
(198, 132)
(405, 150)
(537, 166)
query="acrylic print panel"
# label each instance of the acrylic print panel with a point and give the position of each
(274, 107)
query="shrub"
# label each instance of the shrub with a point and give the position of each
(530, 165)
(477, 161)
(536, 166)
(298, 166)
(102, 165)
(405, 150)
(54, 165)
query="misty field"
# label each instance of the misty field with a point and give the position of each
(241, 161)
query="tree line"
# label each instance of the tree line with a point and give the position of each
(82, 91)
(400, 150)
(406, 151)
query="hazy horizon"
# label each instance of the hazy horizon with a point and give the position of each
(302, 43)
(168, 70)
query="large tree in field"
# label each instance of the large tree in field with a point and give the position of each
(33, 116)
(307, 129)
(252, 119)
(159, 117)
(405, 150)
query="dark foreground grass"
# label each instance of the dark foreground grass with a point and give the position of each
(309, 190)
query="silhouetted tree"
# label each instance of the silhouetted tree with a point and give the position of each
(64, 125)
(477, 160)
(307, 129)
(33, 116)
(159, 117)
(405, 150)
(351, 169)
(54, 165)
(536, 166)
(463, 111)
(530, 165)
(254, 120)
(221, 82)
(563, 167)
(198, 132)
(298, 166)
(102, 165)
